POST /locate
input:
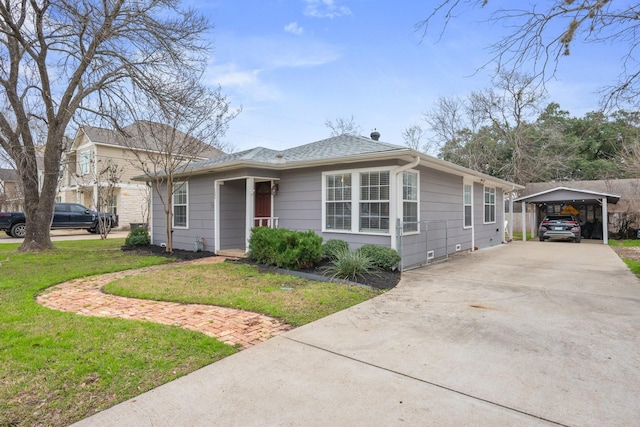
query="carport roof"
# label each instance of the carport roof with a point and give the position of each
(563, 194)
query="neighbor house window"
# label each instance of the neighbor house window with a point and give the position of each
(180, 204)
(112, 203)
(410, 201)
(85, 163)
(467, 198)
(374, 202)
(338, 201)
(489, 204)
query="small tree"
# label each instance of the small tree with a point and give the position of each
(107, 179)
(175, 134)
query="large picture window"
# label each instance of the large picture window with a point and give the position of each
(489, 204)
(180, 204)
(467, 199)
(359, 200)
(338, 202)
(374, 201)
(410, 201)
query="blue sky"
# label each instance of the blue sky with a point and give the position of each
(294, 64)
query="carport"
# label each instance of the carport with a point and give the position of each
(589, 206)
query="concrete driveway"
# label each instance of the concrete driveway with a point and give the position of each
(522, 334)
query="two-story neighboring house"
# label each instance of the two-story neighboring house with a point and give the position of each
(94, 150)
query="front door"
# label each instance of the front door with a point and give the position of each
(262, 212)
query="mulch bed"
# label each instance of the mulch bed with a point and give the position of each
(377, 279)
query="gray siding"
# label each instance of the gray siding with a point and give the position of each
(489, 234)
(200, 221)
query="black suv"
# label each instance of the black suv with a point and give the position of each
(566, 226)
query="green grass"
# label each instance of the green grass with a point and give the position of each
(518, 236)
(57, 368)
(625, 243)
(291, 299)
(634, 266)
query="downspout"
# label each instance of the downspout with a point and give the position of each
(393, 228)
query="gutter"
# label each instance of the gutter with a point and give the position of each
(394, 228)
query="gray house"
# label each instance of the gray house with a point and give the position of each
(348, 187)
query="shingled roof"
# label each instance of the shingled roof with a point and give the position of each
(140, 135)
(337, 147)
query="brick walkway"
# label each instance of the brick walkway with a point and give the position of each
(234, 327)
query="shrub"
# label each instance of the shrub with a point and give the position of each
(331, 247)
(138, 237)
(285, 248)
(382, 257)
(349, 265)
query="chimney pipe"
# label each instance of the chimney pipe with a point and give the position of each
(375, 135)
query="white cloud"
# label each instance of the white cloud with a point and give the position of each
(293, 28)
(325, 9)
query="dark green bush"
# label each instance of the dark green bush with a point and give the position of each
(331, 248)
(349, 265)
(382, 257)
(138, 237)
(285, 248)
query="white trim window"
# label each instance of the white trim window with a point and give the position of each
(85, 163)
(410, 210)
(467, 200)
(338, 201)
(180, 205)
(374, 202)
(489, 205)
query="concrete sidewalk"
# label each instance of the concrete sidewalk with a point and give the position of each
(523, 334)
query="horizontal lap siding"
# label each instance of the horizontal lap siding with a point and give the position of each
(487, 234)
(201, 217)
(299, 206)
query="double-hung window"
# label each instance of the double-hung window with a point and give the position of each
(338, 201)
(489, 204)
(467, 200)
(85, 163)
(410, 201)
(180, 204)
(374, 201)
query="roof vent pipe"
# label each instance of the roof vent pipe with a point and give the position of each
(375, 135)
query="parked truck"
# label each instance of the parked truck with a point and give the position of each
(65, 216)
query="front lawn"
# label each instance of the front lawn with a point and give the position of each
(57, 368)
(293, 300)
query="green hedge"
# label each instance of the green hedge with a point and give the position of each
(138, 237)
(381, 257)
(285, 248)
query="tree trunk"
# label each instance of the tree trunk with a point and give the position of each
(39, 202)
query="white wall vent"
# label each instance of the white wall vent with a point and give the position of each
(431, 254)
(458, 247)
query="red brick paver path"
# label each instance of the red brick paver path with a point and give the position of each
(234, 327)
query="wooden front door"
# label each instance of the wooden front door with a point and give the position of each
(262, 213)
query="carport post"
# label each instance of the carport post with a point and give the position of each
(605, 222)
(524, 221)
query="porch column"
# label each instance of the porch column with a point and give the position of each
(216, 214)
(524, 221)
(510, 231)
(605, 222)
(250, 201)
